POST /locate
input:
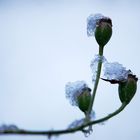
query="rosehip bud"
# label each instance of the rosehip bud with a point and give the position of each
(103, 31)
(127, 89)
(84, 100)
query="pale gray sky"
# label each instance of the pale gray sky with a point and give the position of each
(44, 45)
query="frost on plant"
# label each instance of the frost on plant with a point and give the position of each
(94, 65)
(92, 115)
(73, 90)
(92, 21)
(115, 71)
(76, 123)
(112, 71)
(79, 94)
(10, 127)
(81, 121)
(87, 131)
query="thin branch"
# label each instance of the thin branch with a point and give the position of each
(66, 131)
(97, 80)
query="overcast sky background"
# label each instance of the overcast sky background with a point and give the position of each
(44, 45)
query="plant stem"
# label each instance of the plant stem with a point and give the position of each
(66, 131)
(97, 80)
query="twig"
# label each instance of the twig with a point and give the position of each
(66, 131)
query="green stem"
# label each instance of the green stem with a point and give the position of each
(110, 115)
(66, 131)
(96, 81)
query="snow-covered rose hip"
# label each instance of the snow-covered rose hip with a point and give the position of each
(101, 27)
(79, 94)
(115, 73)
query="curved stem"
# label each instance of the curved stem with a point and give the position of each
(96, 81)
(66, 131)
(110, 115)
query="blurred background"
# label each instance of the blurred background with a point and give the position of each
(44, 45)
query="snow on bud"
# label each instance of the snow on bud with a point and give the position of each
(101, 27)
(115, 72)
(79, 94)
(92, 22)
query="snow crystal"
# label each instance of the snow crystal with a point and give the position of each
(115, 71)
(76, 123)
(88, 131)
(10, 127)
(94, 65)
(92, 115)
(112, 71)
(91, 23)
(73, 90)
